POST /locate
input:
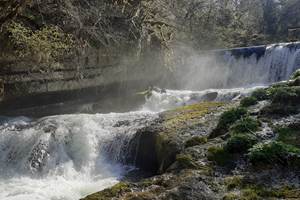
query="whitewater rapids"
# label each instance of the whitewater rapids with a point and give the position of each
(67, 157)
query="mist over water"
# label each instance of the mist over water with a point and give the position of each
(245, 67)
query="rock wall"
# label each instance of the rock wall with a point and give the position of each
(63, 53)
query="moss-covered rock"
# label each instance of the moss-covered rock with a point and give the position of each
(245, 125)
(220, 156)
(274, 153)
(240, 143)
(154, 148)
(185, 161)
(289, 134)
(226, 120)
(296, 74)
(196, 140)
(260, 94)
(110, 193)
(249, 101)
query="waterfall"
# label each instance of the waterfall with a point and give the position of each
(240, 67)
(65, 157)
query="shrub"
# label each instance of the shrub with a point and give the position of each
(185, 161)
(240, 143)
(220, 156)
(286, 96)
(227, 119)
(289, 135)
(194, 141)
(296, 74)
(279, 109)
(260, 94)
(233, 182)
(245, 125)
(249, 101)
(49, 42)
(273, 153)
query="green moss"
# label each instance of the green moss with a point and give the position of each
(249, 101)
(220, 156)
(140, 196)
(185, 161)
(279, 110)
(286, 96)
(194, 141)
(274, 153)
(296, 74)
(260, 94)
(250, 194)
(240, 143)
(227, 119)
(253, 192)
(289, 135)
(233, 182)
(263, 192)
(109, 193)
(230, 196)
(190, 114)
(245, 125)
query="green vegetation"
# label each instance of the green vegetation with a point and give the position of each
(296, 74)
(254, 192)
(196, 140)
(260, 94)
(178, 118)
(220, 156)
(274, 153)
(233, 182)
(45, 44)
(185, 161)
(109, 193)
(289, 135)
(284, 100)
(240, 143)
(249, 101)
(227, 119)
(245, 125)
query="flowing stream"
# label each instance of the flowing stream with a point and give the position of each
(67, 157)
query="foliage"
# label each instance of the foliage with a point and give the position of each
(248, 101)
(273, 153)
(245, 125)
(240, 143)
(286, 96)
(194, 141)
(233, 182)
(185, 161)
(260, 94)
(227, 119)
(47, 43)
(220, 156)
(296, 74)
(289, 135)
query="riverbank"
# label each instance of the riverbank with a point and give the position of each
(248, 150)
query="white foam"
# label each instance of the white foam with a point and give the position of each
(65, 157)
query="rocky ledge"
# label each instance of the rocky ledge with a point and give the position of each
(246, 150)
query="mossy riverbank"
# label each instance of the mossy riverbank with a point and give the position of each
(216, 151)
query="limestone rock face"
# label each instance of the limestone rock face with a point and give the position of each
(100, 45)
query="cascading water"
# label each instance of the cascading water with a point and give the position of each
(64, 157)
(241, 67)
(69, 156)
